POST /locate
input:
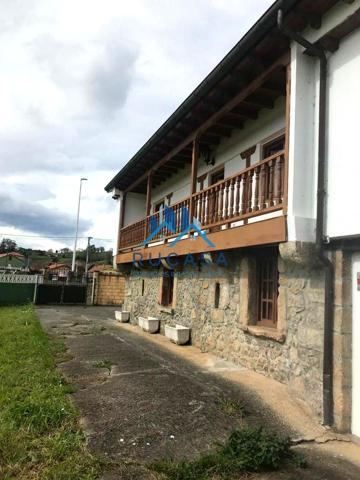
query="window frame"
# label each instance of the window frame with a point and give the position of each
(167, 288)
(269, 141)
(214, 173)
(267, 287)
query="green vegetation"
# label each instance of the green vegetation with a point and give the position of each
(40, 436)
(104, 364)
(234, 408)
(246, 450)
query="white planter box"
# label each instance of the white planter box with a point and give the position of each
(178, 334)
(122, 316)
(149, 324)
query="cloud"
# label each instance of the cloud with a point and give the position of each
(33, 217)
(112, 76)
(84, 84)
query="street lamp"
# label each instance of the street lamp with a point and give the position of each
(77, 226)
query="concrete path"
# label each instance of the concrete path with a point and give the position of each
(143, 398)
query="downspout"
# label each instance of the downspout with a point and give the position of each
(320, 221)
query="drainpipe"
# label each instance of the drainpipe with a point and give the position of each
(320, 221)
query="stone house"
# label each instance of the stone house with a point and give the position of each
(239, 218)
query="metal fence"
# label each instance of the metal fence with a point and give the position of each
(16, 289)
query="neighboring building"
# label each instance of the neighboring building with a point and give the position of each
(57, 271)
(13, 261)
(264, 155)
(100, 267)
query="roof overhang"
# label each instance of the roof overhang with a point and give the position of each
(254, 54)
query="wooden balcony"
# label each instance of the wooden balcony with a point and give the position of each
(236, 212)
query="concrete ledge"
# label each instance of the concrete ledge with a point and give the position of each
(271, 333)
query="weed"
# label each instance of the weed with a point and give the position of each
(104, 364)
(247, 449)
(234, 408)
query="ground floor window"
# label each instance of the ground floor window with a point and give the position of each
(167, 288)
(267, 288)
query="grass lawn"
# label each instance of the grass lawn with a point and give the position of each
(40, 436)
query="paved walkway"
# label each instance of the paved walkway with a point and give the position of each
(143, 398)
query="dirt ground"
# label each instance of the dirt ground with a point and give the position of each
(142, 398)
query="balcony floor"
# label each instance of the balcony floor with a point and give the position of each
(270, 231)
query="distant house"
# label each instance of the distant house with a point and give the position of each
(101, 267)
(57, 271)
(12, 261)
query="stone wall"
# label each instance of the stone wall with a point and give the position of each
(292, 356)
(342, 340)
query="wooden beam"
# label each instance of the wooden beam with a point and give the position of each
(194, 170)
(331, 44)
(220, 130)
(148, 193)
(230, 105)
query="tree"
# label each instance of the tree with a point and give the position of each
(7, 245)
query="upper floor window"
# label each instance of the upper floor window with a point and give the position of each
(217, 176)
(159, 206)
(273, 146)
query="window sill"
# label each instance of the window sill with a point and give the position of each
(163, 309)
(265, 332)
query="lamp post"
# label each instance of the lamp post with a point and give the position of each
(77, 226)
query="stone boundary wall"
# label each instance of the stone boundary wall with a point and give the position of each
(106, 288)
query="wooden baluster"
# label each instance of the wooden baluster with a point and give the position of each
(226, 192)
(232, 186)
(250, 191)
(262, 194)
(278, 181)
(221, 202)
(204, 208)
(216, 203)
(198, 199)
(211, 206)
(237, 195)
(256, 194)
(194, 207)
(244, 194)
(271, 183)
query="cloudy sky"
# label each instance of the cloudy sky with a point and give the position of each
(83, 84)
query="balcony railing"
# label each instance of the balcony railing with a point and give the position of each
(252, 192)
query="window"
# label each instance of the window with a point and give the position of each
(274, 146)
(167, 288)
(142, 287)
(217, 176)
(217, 295)
(268, 288)
(201, 181)
(159, 206)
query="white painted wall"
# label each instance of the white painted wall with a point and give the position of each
(343, 139)
(342, 158)
(302, 147)
(227, 153)
(134, 208)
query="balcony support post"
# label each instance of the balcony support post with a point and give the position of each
(287, 135)
(194, 170)
(121, 217)
(148, 201)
